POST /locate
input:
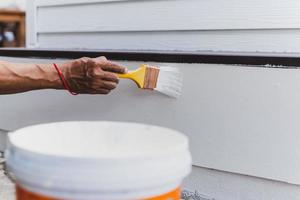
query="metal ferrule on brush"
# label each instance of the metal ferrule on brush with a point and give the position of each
(151, 77)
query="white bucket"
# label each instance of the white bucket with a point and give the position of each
(98, 160)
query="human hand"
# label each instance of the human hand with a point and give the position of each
(92, 75)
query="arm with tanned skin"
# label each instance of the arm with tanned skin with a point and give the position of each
(17, 77)
(85, 75)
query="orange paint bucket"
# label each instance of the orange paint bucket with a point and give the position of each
(27, 195)
(98, 161)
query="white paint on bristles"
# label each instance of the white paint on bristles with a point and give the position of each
(170, 81)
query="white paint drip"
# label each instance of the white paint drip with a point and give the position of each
(170, 81)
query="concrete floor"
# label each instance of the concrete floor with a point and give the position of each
(7, 189)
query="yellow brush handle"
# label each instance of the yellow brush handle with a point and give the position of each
(128, 75)
(138, 76)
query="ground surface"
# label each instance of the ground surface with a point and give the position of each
(6, 186)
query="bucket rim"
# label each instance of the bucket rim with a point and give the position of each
(183, 147)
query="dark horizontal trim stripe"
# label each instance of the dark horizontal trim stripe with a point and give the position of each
(284, 60)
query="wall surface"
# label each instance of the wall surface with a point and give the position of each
(183, 25)
(21, 4)
(239, 119)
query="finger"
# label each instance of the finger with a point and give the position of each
(108, 76)
(102, 91)
(99, 91)
(113, 67)
(101, 84)
(109, 85)
(99, 74)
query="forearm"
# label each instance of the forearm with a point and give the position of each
(16, 77)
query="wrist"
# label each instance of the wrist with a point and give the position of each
(51, 77)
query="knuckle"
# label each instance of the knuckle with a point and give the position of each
(90, 62)
(103, 58)
(95, 71)
(84, 60)
(77, 62)
(81, 62)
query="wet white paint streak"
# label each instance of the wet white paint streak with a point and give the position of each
(170, 81)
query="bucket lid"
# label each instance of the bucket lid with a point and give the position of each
(97, 156)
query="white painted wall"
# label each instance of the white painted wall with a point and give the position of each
(21, 4)
(239, 119)
(190, 25)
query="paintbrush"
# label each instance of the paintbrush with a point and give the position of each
(167, 80)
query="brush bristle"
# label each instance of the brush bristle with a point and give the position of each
(169, 81)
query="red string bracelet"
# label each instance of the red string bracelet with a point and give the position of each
(63, 80)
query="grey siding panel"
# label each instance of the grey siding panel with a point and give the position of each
(217, 25)
(169, 15)
(242, 40)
